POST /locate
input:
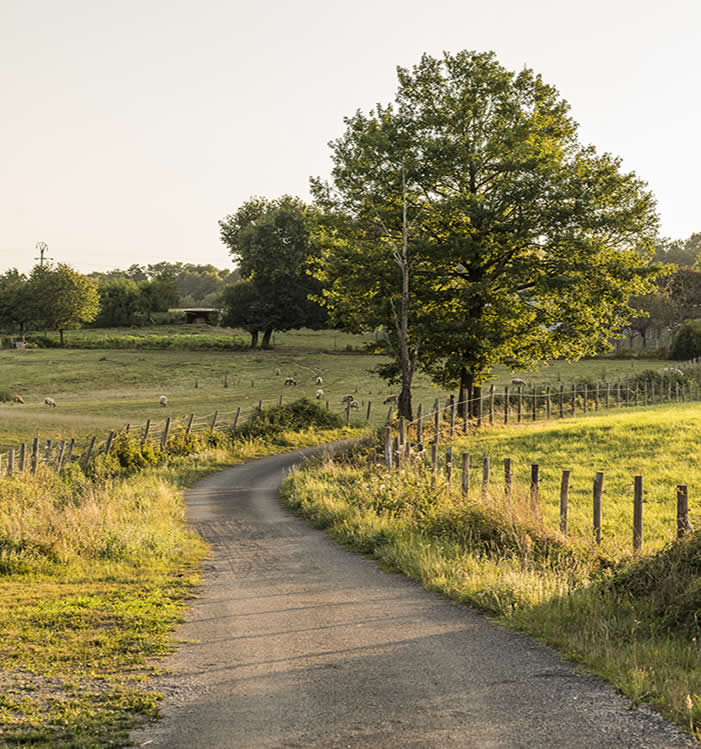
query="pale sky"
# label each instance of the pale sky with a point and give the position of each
(129, 128)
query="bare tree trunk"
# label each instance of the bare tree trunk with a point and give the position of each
(254, 338)
(266, 338)
(60, 335)
(402, 259)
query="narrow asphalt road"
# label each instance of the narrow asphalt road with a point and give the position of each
(294, 642)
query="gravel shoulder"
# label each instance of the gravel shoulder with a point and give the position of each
(294, 642)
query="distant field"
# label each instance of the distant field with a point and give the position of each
(101, 389)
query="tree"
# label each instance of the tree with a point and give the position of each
(270, 241)
(242, 309)
(684, 252)
(522, 244)
(63, 298)
(15, 301)
(120, 303)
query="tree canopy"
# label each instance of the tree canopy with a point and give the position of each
(520, 242)
(271, 243)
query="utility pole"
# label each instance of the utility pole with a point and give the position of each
(42, 247)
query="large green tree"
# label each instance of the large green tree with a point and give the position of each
(516, 242)
(15, 300)
(271, 243)
(62, 298)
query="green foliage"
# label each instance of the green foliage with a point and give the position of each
(687, 341)
(302, 414)
(524, 244)
(6, 396)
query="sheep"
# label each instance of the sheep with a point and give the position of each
(319, 381)
(19, 399)
(347, 399)
(50, 402)
(672, 371)
(277, 371)
(319, 394)
(290, 381)
(354, 404)
(163, 400)
(390, 399)
(518, 381)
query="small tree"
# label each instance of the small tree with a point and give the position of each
(62, 298)
(15, 301)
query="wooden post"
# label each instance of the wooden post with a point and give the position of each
(69, 452)
(214, 421)
(35, 454)
(574, 398)
(618, 392)
(519, 403)
(59, 455)
(596, 397)
(507, 477)
(669, 391)
(452, 415)
(465, 411)
(608, 394)
(280, 401)
(586, 398)
(164, 438)
(236, 418)
(436, 425)
(535, 403)
(564, 500)
(389, 415)
(88, 452)
(397, 452)
(367, 415)
(402, 436)
(485, 475)
(645, 393)
(466, 474)
(419, 427)
(110, 437)
(598, 488)
(562, 400)
(11, 462)
(506, 404)
(189, 424)
(388, 447)
(637, 513)
(676, 391)
(535, 484)
(259, 407)
(22, 457)
(47, 452)
(479, 407)
(449, 465)
(146, 429)
(491, 404)
(434, 462)
(548, 404)
(127, 428)
(683, 524)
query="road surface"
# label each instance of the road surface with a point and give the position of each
(294, 642)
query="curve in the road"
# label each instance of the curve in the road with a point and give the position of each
(294, 642)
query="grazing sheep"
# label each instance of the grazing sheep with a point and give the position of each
(518, 381)
(672, 371)
(319, 394)
(319, 381)
(347, 399)
(50, 402)
(19, 399)
(290, 381)
(277, 371)
(390, 399)
(163, 400)
(354, 404)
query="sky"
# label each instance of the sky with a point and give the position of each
(129, 129)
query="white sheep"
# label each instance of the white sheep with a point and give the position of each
(518, 381)
(672, 371)
(347, 399)
(319, 381)
(19, 399)
(319, 394)
(163, 400)
(50, 402)
(354, 404)
(277, 371)
(290, 381)
(390, 399)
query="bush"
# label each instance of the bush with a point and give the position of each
(5, 396)
(297, 416)
(687, 341)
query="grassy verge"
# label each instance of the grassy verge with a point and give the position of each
(634, 620)
(94, 573)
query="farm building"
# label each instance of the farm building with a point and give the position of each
(209, 315)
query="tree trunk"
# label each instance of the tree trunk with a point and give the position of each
(266, 338)
(254, 338)
(404, 401)
(60, 335)
(466, 383)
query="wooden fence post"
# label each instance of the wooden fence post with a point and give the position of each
(146, 430)
(434, 462)
(35, 454)
(402, 436)
(507, 477)
(236, 418)
(519, 406)
(110, 437)
(88, 452)
(449, 466)
(637, 513)
(465, 411)
(259, 407)
(548, 404)
(452, 415)
(47, 452)
(164, 438)
(491, 404)
(189, 424)
(562, 400)
(535, 484)
(598, 488)
(69, 452)
(436, 423)
(11, 462)
(22, 457)
(419, 427)
(618, 392)
(466, 474)
(608, 395)
(479, 407)
(397, 452)
(586, 398)
(59, 455)
(214, 420)
(564, 500)
(506, 404)
(279, 402)
(683, 524)
(645, 393)
(485, 475)
(574, 398)
(389, 415)
(596, 397)
(388, 447)
(367, 415)
(535, 402)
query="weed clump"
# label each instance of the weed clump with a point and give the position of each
(302, 414)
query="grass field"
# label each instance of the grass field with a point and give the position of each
(634, 619)
(102, 389)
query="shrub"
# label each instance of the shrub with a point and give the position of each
(5, 396)
(687, 341)
(297, 416)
